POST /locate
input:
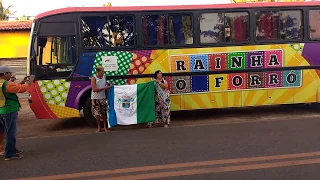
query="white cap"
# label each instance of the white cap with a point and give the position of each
(5, 69)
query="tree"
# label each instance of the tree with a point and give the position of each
(23, 18)
(5, 12)
(108, 4)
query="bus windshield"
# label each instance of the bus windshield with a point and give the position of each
(56, 56)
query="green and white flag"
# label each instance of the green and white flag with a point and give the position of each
(131, 104)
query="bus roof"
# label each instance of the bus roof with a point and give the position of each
(175, 7)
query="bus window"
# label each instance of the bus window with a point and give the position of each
(121, 31)
(112, 31)
(237, 24)
(314, 23)
(267, 25)
(211, 27)
(224, 27)
(291, 25)
(154, 30)
(56, 57)
(180, 29)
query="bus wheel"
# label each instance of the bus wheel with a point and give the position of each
(88, 114)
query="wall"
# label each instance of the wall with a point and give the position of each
(14, 44)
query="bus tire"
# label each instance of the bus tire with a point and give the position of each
(87, 112)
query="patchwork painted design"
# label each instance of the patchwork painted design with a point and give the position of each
(255, 59)
(199, 83)
(123, 60)
(298, 47)
(55, 91)
(218, 61)
(180, 64)
(198, 91)
(239, 60)
(181, 84)
(157, 53)
(236, 60)
(255, 80)
(75, 88)
(142, 53)
(64, 112)
(291, 78)
(273, 79)
(138, 65)
(39, 107)
(199, 63)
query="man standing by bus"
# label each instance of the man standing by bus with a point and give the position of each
(9, 110)
(98, 97)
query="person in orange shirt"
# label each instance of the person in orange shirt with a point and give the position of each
(2, 130)
(9, 112)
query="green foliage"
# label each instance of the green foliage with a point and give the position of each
(5, 12)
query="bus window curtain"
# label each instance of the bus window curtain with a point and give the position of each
(268, 26)
(180, 29)
(239, 24)
(176, 30)
(154, 29)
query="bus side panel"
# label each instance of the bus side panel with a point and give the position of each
(280, 96)
(49, 99)
(254, 97)
(266, 93)
(196, 101)
(226, 99)
(307, 93)
(206, 91)
(176, 103)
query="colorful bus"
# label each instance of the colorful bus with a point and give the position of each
(213, 56)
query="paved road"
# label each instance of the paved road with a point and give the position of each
(278, 149)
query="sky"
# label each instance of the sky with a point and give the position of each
(34, 7)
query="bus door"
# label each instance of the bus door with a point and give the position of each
(56, 51)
